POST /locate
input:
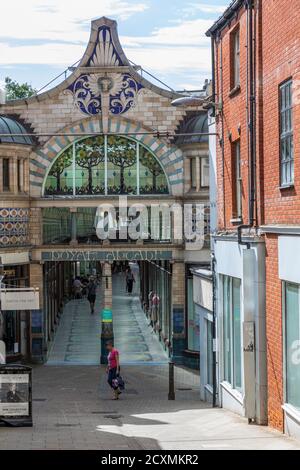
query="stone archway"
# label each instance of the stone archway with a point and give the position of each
(169, 156)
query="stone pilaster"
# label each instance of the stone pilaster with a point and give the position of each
(36, 227)
(178, 311)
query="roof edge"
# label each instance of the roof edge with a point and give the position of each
(226, 17)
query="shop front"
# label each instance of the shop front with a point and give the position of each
(14, 324)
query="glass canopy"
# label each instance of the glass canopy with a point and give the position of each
(106, 166)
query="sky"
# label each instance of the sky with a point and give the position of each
(39, 39)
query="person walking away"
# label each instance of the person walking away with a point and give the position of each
(129, 281)
(113, 369)
(77, 288)
(92, 292)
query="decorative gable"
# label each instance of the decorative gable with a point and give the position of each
(106, 82)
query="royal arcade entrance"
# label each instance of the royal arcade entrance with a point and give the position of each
(103, 135)
(147, 325)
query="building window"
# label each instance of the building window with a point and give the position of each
(237, 180)
(106, 165)
(204, 169)
(5, 174)
(232, 339)
(292, 343)
(286, 134)
(199, 170)
(193, 167)
(235, 61)
(20, 176)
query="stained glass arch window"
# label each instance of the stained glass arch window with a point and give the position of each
(106, 165)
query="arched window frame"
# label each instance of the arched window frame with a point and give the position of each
(138, 147)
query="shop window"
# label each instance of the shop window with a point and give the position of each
(237, 181)
(235, 59)
(209, 349)
(292, 343)
(286, 134)
(106, 165)
(5, 174)
(193, 320)
(232, 340)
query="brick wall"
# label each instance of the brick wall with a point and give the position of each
(281, 61)
(233, 124)
(274, 334)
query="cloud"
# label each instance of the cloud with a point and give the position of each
(205, 8)
(191, 33)
(60, 19)
(57, 36)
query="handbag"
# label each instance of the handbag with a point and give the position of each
(118, 382)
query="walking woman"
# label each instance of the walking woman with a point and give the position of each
(113, 369)
(92, 290)
(129, 281)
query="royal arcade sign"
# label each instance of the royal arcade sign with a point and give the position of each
(134, 255)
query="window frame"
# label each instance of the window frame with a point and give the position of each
(202, 158)
(286, 136)
(229, 371)
(193, 173)
(284, 336)
(235, 62)
(166, 188)
(237, 193)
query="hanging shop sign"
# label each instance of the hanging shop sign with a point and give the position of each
(10, 259)
(15, 395)
(19, 299)
(139, 255)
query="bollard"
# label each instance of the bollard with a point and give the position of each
(171, 395)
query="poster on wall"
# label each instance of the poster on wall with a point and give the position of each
(14, 395)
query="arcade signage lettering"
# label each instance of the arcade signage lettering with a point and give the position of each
(107, 255)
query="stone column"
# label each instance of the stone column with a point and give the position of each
(74, 240)
(178, 312)
(107, 331)
(37, 333)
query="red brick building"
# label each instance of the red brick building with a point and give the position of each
(256, 55)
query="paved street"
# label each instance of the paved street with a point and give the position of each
(77, 340)
(72, 409)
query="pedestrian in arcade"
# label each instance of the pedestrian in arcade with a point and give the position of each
(129, 281)
(92, 292)
(77, 288)
(113, 369)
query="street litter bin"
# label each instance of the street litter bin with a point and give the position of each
(15, 395)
